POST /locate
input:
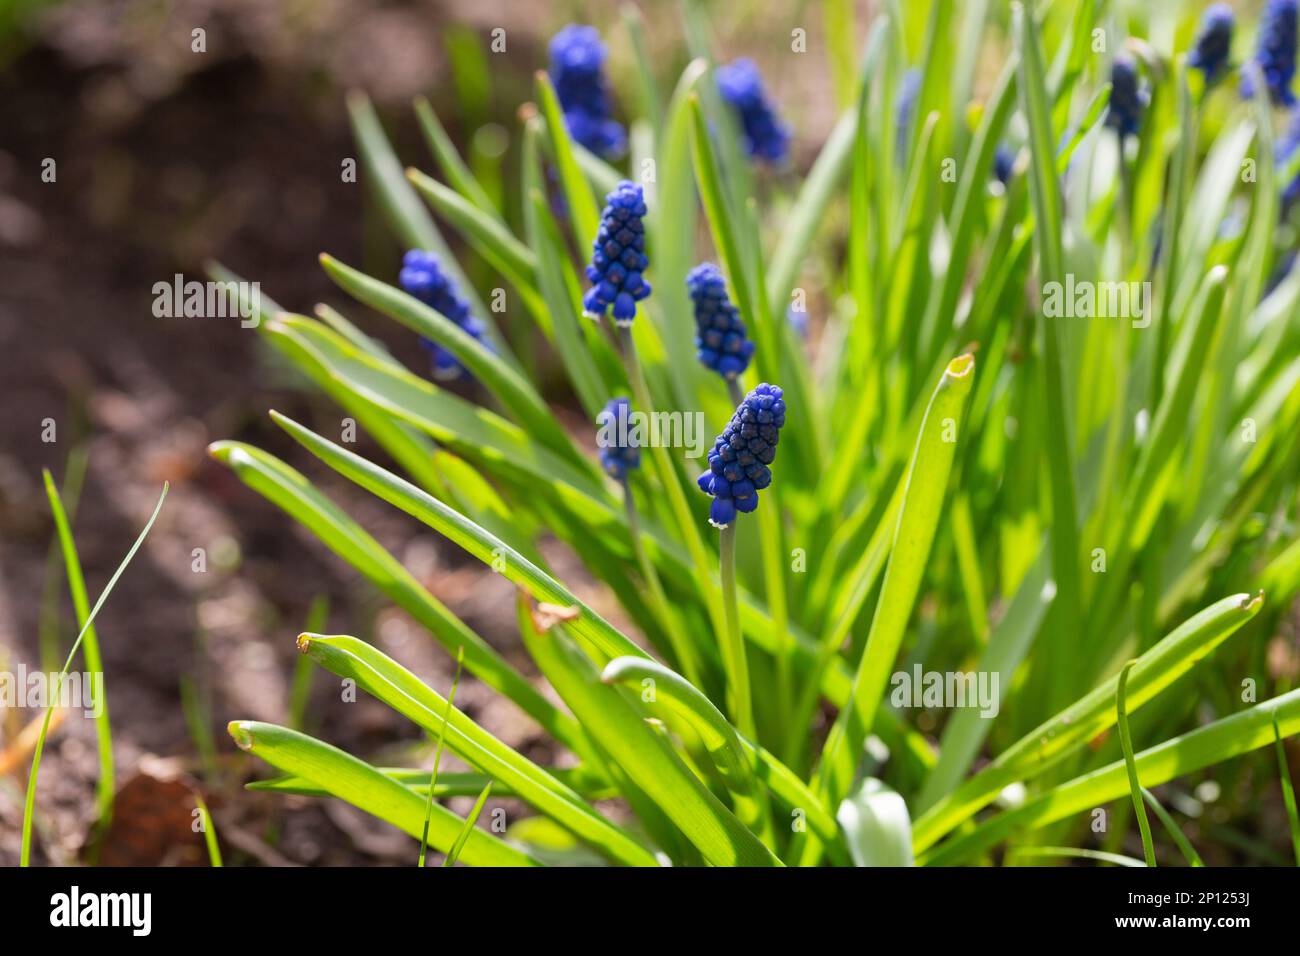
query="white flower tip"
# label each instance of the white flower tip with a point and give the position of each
(623, 323)
(720, 527)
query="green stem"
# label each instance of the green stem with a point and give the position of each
(672, 486)
(437, 756)
(662, 610)
(733, 649)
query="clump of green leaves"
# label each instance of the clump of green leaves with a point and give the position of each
(964, 483)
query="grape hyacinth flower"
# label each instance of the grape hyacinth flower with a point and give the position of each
(1213, 42)
(739, 460)
(720, 337)
(1127, 98)
(618, 257)
(577, 71)
(1275, 53)
(1004, 162)
(620, 451)
(741, 86)
(422, 276)
(904, 110)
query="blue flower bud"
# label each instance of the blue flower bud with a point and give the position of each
(618, 259)
(577, 65)
(1004, 162)
(740, 458)
(1213, 42)
(741, 86)
(1275, 53)
(423, 278)
(619, 451)
(1127, 98)
(720, 336)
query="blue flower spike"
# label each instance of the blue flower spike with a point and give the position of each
(1275, 53)
(1127, 98)
(577, 71)
(740, 458)
(721, 340)
(423, 277)
(741, 85)
(1213, 42)
(619, 450)
(618, 258)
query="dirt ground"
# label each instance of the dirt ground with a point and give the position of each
(163, 161)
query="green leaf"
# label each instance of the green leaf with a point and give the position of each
(926, 485)
(385, 679)
(449, 160)
(1039, 749)
(620, 731)
(1222, 740)
(358, 783)
(499, 377)
(1130, 768)
(454, 854)
(584, 214)
(293, 493)
(1288, 790)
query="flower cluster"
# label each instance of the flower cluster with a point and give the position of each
(422, 277)
(1127, 98)
(739, 460)
(1275, 52)
(577, 62)
(618, 257)
(720, 336)
(741, 86)
(619, 450)
(1213, 42)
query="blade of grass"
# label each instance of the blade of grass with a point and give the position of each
(1126, 744)
(29, 806)
(94, 662)
(209, 832)
(1288, 790)
(1184, 846)
(454, 853)
(437, 761)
